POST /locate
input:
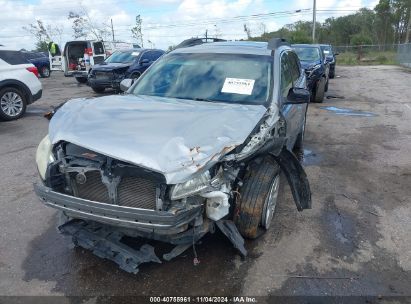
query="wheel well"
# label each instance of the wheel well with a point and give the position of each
(19, 86)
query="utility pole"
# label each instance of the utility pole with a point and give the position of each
(314, 19)
(206, 34)
(407, 37)
(112, 29)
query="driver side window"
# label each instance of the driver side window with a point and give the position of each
(286, 79)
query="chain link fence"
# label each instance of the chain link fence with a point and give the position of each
(404, 54)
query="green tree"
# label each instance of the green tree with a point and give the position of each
(136, 30)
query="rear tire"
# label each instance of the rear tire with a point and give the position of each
(13, 103)
(255, 207)
(45, 72)
(98, 89)
(81, 79)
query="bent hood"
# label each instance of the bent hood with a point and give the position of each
(173, 137)
(306, 65)
(111, 66)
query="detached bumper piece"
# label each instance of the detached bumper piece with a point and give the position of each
(104, 241)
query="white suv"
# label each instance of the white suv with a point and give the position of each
(19, 84)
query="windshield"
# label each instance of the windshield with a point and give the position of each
(307, 53)
(122, 57)
(233, 78)
(326, 50)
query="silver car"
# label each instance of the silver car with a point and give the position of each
(197, 143)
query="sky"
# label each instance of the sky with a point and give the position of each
(165, 22)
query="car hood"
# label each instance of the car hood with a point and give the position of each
(309, 64)
(111, 66)
(171, 136)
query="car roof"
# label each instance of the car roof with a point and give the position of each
(136, 50)
(229, 47)
(306, 45)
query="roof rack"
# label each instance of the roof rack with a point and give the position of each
(197, 41)
(274, 43)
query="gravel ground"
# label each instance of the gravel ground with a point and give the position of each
(355, 241)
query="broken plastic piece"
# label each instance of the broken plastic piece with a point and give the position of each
(230, 230)
(104, 242)
(179, 249)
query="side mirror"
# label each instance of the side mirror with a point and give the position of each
(125, 84)
(144, 61)
(298, 96)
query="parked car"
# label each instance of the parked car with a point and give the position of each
(316, 67)
(19, 84)
(199, 141)
(41, 62)
(330, 56)
(130, 63)
(78, 57)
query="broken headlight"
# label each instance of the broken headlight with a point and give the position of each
(191, 187)
(44, 156)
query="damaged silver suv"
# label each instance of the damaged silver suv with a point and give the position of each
(198, 142)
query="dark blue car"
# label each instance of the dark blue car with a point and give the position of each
(40, 61)
(316, 68)
(121, 64)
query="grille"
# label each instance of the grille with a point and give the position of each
(104, 75)
(133, 192)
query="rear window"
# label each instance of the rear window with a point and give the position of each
(13, 57)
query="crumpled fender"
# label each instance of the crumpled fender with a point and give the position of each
(297, 178)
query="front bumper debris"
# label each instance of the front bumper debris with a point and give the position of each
(104, 242)
(120, 216)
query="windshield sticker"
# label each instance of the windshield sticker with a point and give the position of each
(238, 86)
(135, 53)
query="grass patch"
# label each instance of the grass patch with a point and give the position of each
(367, 58)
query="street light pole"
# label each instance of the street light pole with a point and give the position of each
(314, 19)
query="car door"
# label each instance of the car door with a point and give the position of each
(145, 60)
(98, 52)
(56, 60)
(294, 114)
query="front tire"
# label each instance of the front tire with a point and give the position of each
(45, 72)
(98, 90)
(319, 92)
(255, 208)
(81, 79)
(13, 103)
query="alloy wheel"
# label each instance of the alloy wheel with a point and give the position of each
(11, 104)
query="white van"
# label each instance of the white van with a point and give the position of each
(77, 58)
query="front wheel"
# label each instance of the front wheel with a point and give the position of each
(81, 79)
(255, 208)
(319, 92)
(98, 89)
(45, 72)
(12, 103)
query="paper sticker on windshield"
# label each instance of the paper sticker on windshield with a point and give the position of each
(135, 53)
(238, 86)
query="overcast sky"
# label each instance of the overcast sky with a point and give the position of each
(165, 22)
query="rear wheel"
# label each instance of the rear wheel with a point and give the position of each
(12, 103)
(45, 72)
(81, 79)
(98, 89)
(257, 202)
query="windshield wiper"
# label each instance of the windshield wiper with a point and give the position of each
(204, 99)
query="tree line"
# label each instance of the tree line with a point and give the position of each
(387, 23)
